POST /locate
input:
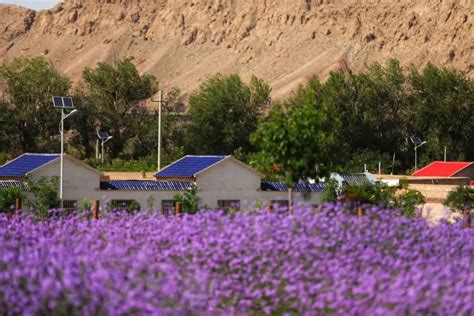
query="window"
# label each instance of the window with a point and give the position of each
(282, 204)
(168, 207)
(228, 205)
(69, 205)
(127, 205)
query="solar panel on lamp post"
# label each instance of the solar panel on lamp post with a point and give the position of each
(104, 137)
(418, 143)
(63, 103)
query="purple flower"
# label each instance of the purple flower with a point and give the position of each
(326, 261)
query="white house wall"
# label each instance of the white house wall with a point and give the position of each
(227, 180)
(142, 197)
(79, 182)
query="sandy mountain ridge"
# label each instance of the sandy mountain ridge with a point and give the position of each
(282, 41)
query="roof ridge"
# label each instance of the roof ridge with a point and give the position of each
(440, 161)
(207, 155)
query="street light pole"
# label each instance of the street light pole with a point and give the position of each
(416, 159)
(416, 154)
(160, 100)
(61, 172)
(103, 141)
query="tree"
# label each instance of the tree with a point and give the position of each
(296, 144)
(31, 83)
(8, 132)
(443, 111)
(223, 114)
(116, 93)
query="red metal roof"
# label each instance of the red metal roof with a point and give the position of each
(441, 169)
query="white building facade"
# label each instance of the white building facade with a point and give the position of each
(222, 182)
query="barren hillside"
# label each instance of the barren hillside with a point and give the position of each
(282, 41)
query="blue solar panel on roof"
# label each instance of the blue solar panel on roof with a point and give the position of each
(10, 184)
(188, 166)
(354, 178)
(139, 185)
(297, 187)
(26, 163)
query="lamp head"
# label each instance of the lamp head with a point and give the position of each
(72, 113)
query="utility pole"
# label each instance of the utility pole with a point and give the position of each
(160, 101)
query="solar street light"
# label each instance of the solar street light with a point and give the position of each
(104, 137)
(63, 103)
(418, 143)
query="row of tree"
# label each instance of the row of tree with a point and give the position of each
(341, 123)
(352, 119)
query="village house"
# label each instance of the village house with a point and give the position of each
(222, 182)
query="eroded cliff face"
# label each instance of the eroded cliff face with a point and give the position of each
(285, 42)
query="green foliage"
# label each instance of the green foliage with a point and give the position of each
(377, 194)
(223, 113)
(408, 201)
(297, 143)
(443, 108)
(189, 199)
(460, 199)
(8, 198)
(114, 94)
(386, 196)
(404, 182)
(369, 115)
(371, 159)
(331, 191)
(45, 195)
(30, 119)
(381, 107)
(147, 164)
(3, 158)
(86, 205)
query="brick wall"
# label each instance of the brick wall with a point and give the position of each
(433, 193)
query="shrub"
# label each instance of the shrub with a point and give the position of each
(408, 201)
(331, 191)
(460, 199)
(8, 198)
(189, 199)
(377, 194)
(45, 195)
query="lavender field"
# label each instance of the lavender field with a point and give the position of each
(308, 263)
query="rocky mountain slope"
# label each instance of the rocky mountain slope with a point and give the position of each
(282, 41)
